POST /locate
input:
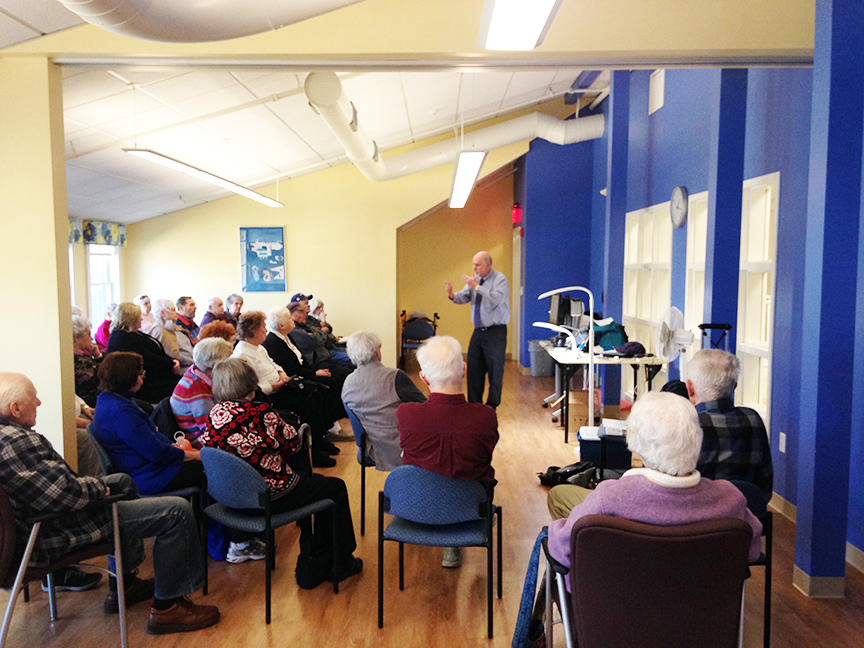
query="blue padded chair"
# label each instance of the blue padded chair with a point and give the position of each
(432, 510)
(192, 493)
(243, 503)
(360, 437)
(759, 507)
(414, 333)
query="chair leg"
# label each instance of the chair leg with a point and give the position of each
(401, 566)
(500, 559)
(19, 581)
(121, 585)
(200, 505)
(269, 558)
(741, 622)
(26, 592)
(363, 486)
(52, 598)
(380, 560)
(333, 527)
(549, 624)
(769, 542)
(564, 608)
(489, 588)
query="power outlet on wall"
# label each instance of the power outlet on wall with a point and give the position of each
(782, 442)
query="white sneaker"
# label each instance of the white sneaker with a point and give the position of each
(239, 552)
(452, 557)
(336, 433)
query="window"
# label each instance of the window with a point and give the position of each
(103, 270)
(694, 304)
(72, 273)
(756, 292)
(647, 279)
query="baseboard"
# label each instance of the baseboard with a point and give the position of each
(784, 508)
(854, 556)
(827, 587)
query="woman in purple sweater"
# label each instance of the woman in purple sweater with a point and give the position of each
(663, 429)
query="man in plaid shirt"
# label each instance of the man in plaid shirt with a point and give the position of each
(734, 441)
(37, 481)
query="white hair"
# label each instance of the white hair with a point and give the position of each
(80, 327)
(714, 374)
(211, 351)
(441, 362)
(77, 310)
(14, 388)
(212, 300)
(362, 347)
(277, 317)
(140, 299)
(664, 430)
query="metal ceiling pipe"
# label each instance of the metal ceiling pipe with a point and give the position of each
(326, 95)
(197, 21)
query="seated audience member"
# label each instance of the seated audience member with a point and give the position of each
(663, 429)
(734, 441)
(313, 343)
(131, 439)
(317, 318)
(234, 304)
(185, 313)
(87, 359)
(373, 392)
(192, 399)
(283, 352)
(215, 311)
(272, 381)
(175, 340)
(159, 367)
(217, 329)
(38, 481)
(103, 333)
(148, 320)
(257, 434)
(88, 460)
(447, 434)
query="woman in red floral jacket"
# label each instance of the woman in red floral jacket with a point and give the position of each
(257, 434)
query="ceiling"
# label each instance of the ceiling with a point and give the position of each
(253, 127)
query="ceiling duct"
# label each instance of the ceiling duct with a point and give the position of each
(197, 21)
(325, 94)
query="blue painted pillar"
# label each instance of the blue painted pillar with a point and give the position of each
(618, 124)
(725, 178)
(830, 277)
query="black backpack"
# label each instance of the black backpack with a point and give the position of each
(580, 474)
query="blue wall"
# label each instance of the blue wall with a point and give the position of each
(557, 220)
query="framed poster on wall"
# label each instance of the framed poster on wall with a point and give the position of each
(262, 259)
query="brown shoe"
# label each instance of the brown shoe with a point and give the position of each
(136, 591)
(183, 616)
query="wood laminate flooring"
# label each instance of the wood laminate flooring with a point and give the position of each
(439, 607)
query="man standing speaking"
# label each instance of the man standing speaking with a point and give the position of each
(487, 291)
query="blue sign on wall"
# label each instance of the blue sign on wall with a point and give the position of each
(262, 259)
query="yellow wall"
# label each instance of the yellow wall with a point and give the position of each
(440, 247)
(340, 240)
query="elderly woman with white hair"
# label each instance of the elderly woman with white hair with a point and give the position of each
(192, 399)
(87, 359)
(373, 392)
(148, 319)
(175, 340)
(663, 429)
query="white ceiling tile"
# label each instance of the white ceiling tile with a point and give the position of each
(192, 84)
(271, 83)
(89, 86)
(13, 32)
(211, 102)
(111, 108)
(45, 15)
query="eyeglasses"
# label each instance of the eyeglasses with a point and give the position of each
(143, 373)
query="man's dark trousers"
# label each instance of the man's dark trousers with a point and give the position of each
(486, 353)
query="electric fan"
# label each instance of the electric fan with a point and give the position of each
(672, 337)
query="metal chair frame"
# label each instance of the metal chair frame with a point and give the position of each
(364, 460)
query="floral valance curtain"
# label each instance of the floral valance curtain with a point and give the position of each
(96, 232)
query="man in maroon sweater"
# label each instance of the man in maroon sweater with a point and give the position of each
(447, 434)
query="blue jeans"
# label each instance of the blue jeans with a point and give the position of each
(177, 558)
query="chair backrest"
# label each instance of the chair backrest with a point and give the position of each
(356, 425)
(163, 417)
(8, 538)
(417, 329)
(231, 481)
(102, 454)
(635, 584)
(755, 498)
(420, 495)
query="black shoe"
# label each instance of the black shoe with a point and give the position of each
(323, 461)
(329, 447)
(311, 572)
(137, 590)
(353, 567)
(73, 579)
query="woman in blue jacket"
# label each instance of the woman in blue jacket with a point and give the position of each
(133, 442)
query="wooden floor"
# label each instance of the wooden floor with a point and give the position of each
(439, 607)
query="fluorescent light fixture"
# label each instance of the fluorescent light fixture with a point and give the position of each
(516, 24)
(195, 172)
(467, 169)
